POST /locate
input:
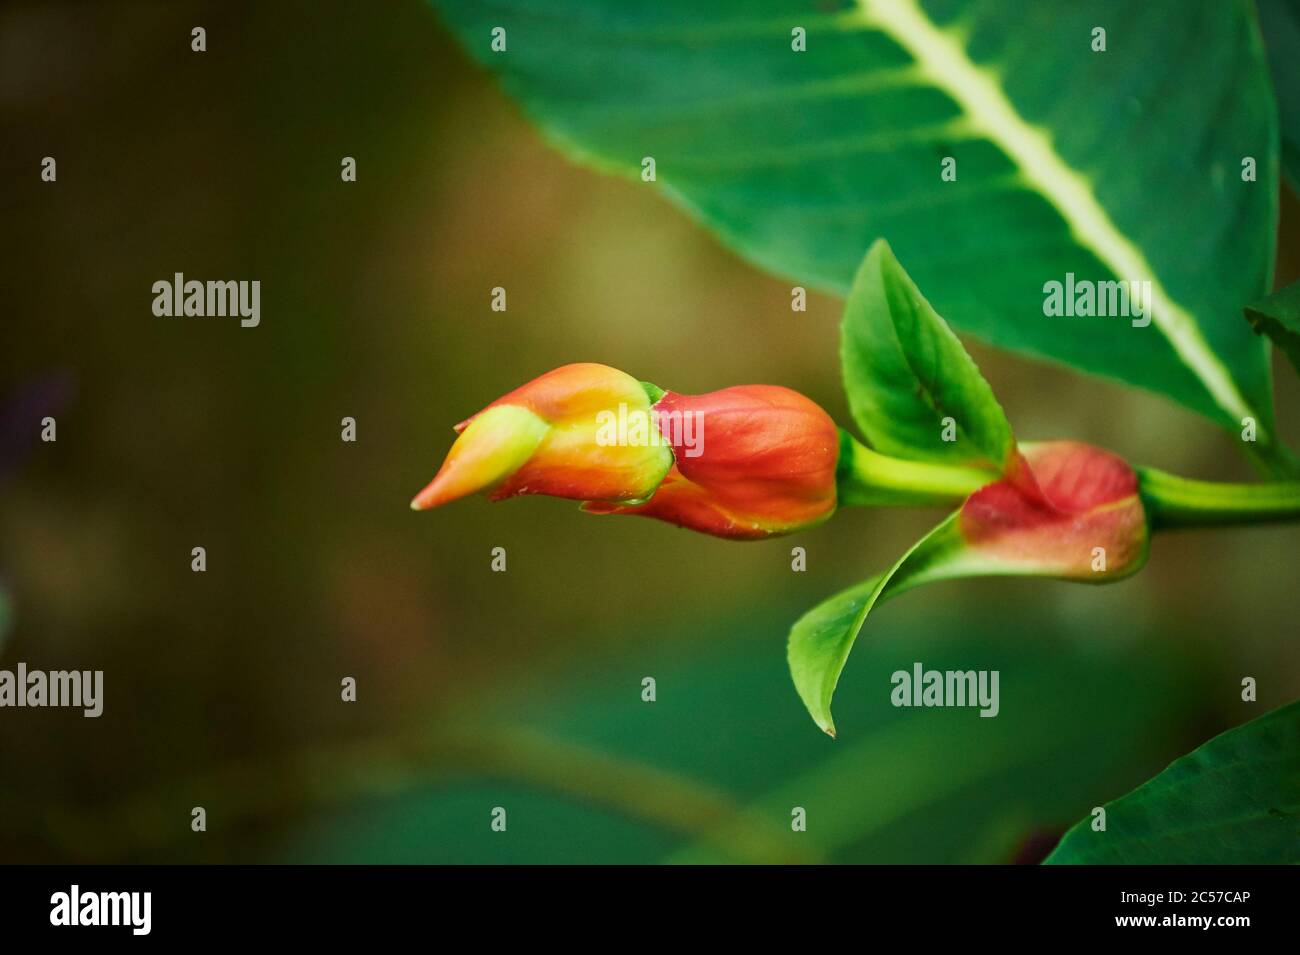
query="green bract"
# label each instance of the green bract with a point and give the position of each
(916, 394)
(908, 378)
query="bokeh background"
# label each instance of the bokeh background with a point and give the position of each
(478, 689)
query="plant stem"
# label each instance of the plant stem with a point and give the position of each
(868, 477)
(1174, 502)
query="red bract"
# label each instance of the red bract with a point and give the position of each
(1082, 499)
(750, 461)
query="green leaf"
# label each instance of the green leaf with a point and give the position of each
(905, 372)
(1235, 800)
(1279, 21)
(1278, 317)
(821, 639)
(1071, 501)
(1115, 165)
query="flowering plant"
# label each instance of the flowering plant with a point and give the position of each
(754, 461)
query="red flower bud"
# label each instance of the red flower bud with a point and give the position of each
(749, 462)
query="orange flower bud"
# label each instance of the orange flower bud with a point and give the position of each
(555, 436)
(744, 462)
(751, 461)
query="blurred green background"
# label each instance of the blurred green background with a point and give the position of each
(476, 689)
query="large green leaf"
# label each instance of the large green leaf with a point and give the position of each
(1234, 800)
(905, 372)
(1124, 164)
(1280, 22)
(1278, 317)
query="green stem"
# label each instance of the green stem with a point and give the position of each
(867, 477)
(1174, 502)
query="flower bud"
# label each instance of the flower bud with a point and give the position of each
(751, 461)
(548, 437)
(744, 462)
